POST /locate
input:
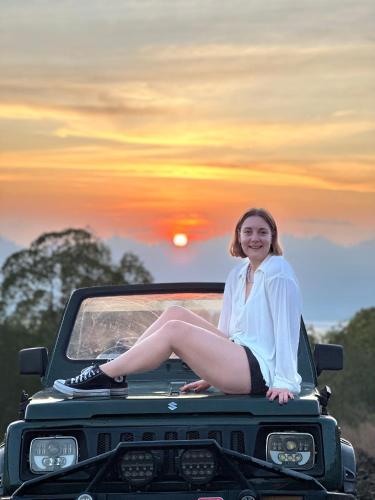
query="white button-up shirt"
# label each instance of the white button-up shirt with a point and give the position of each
(268, 322)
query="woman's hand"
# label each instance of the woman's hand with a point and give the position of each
(197, 386)
(283, 394)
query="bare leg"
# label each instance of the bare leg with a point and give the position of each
(215, 359)
(182, 314)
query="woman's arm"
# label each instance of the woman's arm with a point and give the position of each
(226, 308)
(285, 304)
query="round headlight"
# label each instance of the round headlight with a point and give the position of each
(197, 466)
(138, 467)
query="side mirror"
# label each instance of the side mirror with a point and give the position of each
(33, 361)
(328, 357)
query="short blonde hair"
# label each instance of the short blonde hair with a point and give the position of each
(235, 248)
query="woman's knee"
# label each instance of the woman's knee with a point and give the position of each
(176, 330)
(176, 313)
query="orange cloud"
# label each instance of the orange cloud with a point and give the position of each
(153, 207)
(156, 131)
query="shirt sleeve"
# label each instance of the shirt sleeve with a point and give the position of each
(285, 304)
(226, 309)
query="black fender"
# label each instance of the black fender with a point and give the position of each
(349, 467)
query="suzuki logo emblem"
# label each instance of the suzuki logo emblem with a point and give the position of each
(172, 406)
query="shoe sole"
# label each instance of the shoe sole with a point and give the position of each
(88, 393)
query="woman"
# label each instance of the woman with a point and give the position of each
(254, 348)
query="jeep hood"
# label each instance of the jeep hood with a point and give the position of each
(147, 399)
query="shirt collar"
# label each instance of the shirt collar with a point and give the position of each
(243, 269)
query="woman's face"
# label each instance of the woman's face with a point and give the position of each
(255, 238)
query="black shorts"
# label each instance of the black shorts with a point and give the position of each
(258, 384)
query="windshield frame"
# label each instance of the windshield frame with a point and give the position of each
(60, 366)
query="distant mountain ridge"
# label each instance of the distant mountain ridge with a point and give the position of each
(336, 281)
(7, 247)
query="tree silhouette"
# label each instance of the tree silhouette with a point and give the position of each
(36, 283)
(354, 388)
(38, 280)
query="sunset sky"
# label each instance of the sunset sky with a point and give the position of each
(143, 118)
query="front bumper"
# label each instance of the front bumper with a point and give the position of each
(220, 495)
(94, 478)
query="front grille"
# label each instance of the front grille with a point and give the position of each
(237, 441)
(192, 435)
(148, 436)
(170, 435)
(216, 435)
(127, 436)
(233, 439)
(104, 442)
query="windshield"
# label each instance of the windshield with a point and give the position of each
(105, 327)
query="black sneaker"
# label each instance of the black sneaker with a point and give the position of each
(92, 382)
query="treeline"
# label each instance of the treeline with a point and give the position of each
(35, 284)
(353, 389)
(353, 394)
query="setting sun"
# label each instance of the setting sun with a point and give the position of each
(180, 240)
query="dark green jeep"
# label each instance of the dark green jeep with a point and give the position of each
(159, 444)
